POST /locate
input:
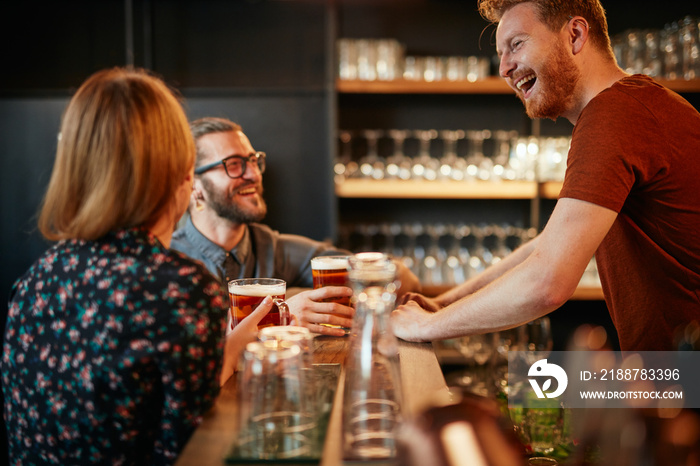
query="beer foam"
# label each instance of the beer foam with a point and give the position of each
(329, 263)
(258, 290)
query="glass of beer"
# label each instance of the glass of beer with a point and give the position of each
(331, 271)
(246, 294)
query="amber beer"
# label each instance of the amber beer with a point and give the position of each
(247, 293)
(331, 271)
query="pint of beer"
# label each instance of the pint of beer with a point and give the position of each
(331, 271)
(247, 293)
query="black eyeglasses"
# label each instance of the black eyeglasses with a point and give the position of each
(235, 165)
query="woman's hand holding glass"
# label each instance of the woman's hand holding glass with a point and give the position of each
(239, 336)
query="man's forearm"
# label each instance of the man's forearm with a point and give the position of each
(523, 292)
(487, 276)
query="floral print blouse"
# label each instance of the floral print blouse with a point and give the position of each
(112, 352)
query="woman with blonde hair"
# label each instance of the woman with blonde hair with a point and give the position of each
(114, 345)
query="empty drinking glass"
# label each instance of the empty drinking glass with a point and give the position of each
(275, 419)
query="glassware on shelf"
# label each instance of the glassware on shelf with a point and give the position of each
(371, 165)
(390, 56)
(503, 140)
(653, 65)
(413, 68)
(672, 52)
(425, 166)
(590, 277)
(366, 60)
(347, 59)
(370, 59)
(551, 158)
(477, 68)
(673, 64)
(439, 254)
(523, 158)
(479, 166)
(345, 166)
(509, 157)
(689, 42)
(398, 164)
(430, 269)
(434, 69)
(451, 165)
(455, 68)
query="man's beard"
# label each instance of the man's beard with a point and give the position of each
(557, 80)
(226, 208)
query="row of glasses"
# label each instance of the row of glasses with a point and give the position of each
(445, 254)
(453, 68)
(370, 59)
(486, 355)
(386, 60)
(439, 254)
(457, 155)
(672, 52)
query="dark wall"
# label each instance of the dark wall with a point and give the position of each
(260, 63)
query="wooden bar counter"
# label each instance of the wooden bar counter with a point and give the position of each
(422, 382)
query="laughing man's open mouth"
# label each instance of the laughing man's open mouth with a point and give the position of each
(526, 83)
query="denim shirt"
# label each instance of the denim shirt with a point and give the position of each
(262, 253)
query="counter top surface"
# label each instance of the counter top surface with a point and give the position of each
(421, 376)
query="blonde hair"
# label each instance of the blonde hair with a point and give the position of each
(124, 148)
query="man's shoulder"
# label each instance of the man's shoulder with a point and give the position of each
(270, 235)
(180, 241)
(262, 229)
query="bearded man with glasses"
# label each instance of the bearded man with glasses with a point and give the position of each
(224, 232)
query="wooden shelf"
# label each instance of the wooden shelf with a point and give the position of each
(587, 293)
(681, 85)
(490, 85)
(448, 189)
(550, 189)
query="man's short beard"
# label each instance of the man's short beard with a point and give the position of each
(231, 211)
(559, 80)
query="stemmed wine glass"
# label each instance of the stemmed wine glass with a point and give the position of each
(478, 349)
(345, 166)
(503, 142)
(398, 165)
(506, 341)
(538, 339)
(425, 166)
(450, 168)
(371, 165)
(479, 166)
(472, 250)
(452, 266)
